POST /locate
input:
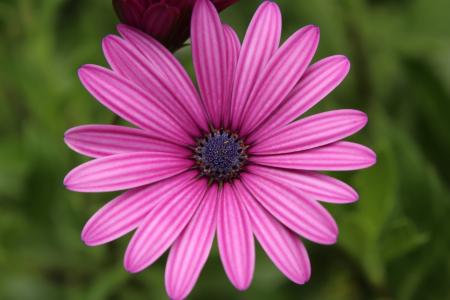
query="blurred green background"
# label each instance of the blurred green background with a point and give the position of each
(394, 243)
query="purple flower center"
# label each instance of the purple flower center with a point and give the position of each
(220, 155)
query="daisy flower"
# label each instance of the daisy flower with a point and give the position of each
(166, 20)
(225, 161)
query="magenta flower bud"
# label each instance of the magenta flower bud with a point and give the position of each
(166, 20)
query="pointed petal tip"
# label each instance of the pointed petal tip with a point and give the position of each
(372, 158)
(313, 32)
(330, 237)
(68, 137)
(333, 235)
(67, 181)
(81, 71)
(368, 154)
(363, 119)
(88, 242)
(124, 29)
(109, 40)
(175, 295)
(345, 64)
(130, 266)
(109, 37)
(175, 292)
(69, 131)
(130, 270)
(242, 285)
(271, 3)
(329, 240)
(122, 26)
(340, 58)
(86, 69)
(306, 277)
(310, 33)
(87, 238)
(300, 279)
(359, 118)
(312, 27)
(340, 61)
(133, 264)
(346, 61)
(354, 196)
(349, 195)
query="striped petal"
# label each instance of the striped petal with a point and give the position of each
(166, 64)
(233, 46)
(317, 82)
(339, 156)
(235, 239)
(209, 57)
(190, 251)
(282, 246)
(127, 61)
(103, 140)
(126, 212)
(131, 103)
(318, 186)
(315, 131)
(260, 43)
(280, 76)
(162, 226)
(304, 216)
(124, 171)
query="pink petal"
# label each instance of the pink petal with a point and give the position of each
(235, 239)
(233, 46)
(261, 41)
(318, 186)
(314, 131)
(162, 226)
(126, 212)
(317, 82)
(103, 140)
(282, 246)
(190, 251)
(131, 103)
(165, 63)
(339, 156)
(124, 171)
(304, 216)
(280, 76)
(209, 57)
(127, 61)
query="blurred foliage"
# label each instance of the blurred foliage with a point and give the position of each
(394, 243)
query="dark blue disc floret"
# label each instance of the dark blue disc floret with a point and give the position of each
(220, 155)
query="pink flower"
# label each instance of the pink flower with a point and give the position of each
(225, 161)
(166, 20)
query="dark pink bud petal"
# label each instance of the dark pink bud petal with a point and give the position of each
(129, 11)
(168, 21)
